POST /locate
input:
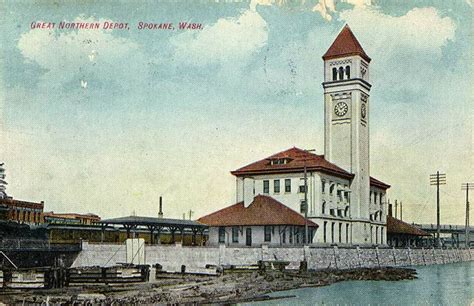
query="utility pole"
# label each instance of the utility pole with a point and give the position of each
(467, 186)
(436, 180)
(305, 239)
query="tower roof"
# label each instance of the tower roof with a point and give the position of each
(345, 44)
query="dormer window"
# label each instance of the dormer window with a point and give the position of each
(280, 161)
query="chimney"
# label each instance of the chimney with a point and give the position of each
(396, 208)
(401, 211)
(249, 191)
(160, 213)
(390, 209)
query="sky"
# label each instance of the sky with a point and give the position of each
(105, 121)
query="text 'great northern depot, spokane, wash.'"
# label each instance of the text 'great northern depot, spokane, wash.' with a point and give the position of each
(109, 25)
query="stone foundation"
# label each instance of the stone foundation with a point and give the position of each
(172, 257)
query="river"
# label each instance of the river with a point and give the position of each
(450, 284)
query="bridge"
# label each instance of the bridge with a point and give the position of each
(450, 234)
(25, 253)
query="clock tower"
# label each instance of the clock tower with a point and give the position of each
(346, 125)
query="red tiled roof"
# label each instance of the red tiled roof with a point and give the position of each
(264, 210)
(376, 183)
(346, 44)
(296, 160)
(395, 226)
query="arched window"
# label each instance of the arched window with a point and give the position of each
(324, 208)
(348, 72)
(341, 73)
(334, 74)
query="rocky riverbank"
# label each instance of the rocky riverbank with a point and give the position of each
(228, 288)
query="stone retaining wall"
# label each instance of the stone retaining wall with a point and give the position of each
(171, 257)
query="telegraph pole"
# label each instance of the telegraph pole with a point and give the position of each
(467, 186)
(436, 180)
(305, 240)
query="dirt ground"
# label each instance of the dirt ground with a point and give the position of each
(192, 289)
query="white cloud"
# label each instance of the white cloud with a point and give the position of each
(72, 55)
(421, 29)
(228, 40)
(328, 7)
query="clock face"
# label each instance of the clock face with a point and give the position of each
(363, 110)
(341, 109)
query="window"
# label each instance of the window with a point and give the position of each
(325, 230)
(276, 186)
(266, 186)
(380, 200)
(297, 234)
(283, 236)
(302, 188)
(303, 206)
(287, 185)
(332, 213)
(268, 233)
(348, 72)
(334, 74)
(323, 186)
(377, 235)
(221, 234)
(332, 231)
(341, 73)
(291, 235)
(347, 233)
(331, 188)
(339, 195)
(340, 232)
(346, 212)
(371, 233)
(323, 208)
(375, 197)
(381, 235)
(235, 234)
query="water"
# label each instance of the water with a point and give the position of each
(451, 284)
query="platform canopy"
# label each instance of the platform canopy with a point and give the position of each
(157, 225)
(157, 222)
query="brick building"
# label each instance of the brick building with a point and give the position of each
(21, 211)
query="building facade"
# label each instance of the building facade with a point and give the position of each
(342, 198)
(263, 221)
(70, 218)
(21, 211)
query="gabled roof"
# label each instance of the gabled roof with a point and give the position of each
(264, 210)
(345, 44)
(295, 161)
(397, 227)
